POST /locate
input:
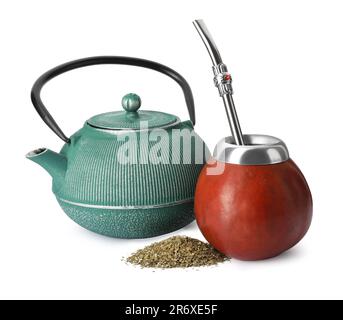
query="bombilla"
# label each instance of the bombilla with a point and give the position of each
(222, 80)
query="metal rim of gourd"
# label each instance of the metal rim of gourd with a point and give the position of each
(258, 150)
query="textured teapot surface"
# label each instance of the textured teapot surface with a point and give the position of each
(97, 175)
(111, 160)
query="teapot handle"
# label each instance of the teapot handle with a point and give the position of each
(43, 79)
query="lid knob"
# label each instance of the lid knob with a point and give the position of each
(131, 102)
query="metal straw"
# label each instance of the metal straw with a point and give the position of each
(222, 80)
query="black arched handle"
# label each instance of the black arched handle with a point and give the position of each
(43, 79)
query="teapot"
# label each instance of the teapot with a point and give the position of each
(129, 173)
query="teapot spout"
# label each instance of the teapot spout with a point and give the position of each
(54, 163)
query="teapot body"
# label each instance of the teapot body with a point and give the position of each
(128, 184)
(253, 212)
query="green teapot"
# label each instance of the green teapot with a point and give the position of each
(129, 173)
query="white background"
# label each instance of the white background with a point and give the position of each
(286, 61)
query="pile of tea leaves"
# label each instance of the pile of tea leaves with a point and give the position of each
(177, 252)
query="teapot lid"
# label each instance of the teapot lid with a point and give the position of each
(132, 118)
